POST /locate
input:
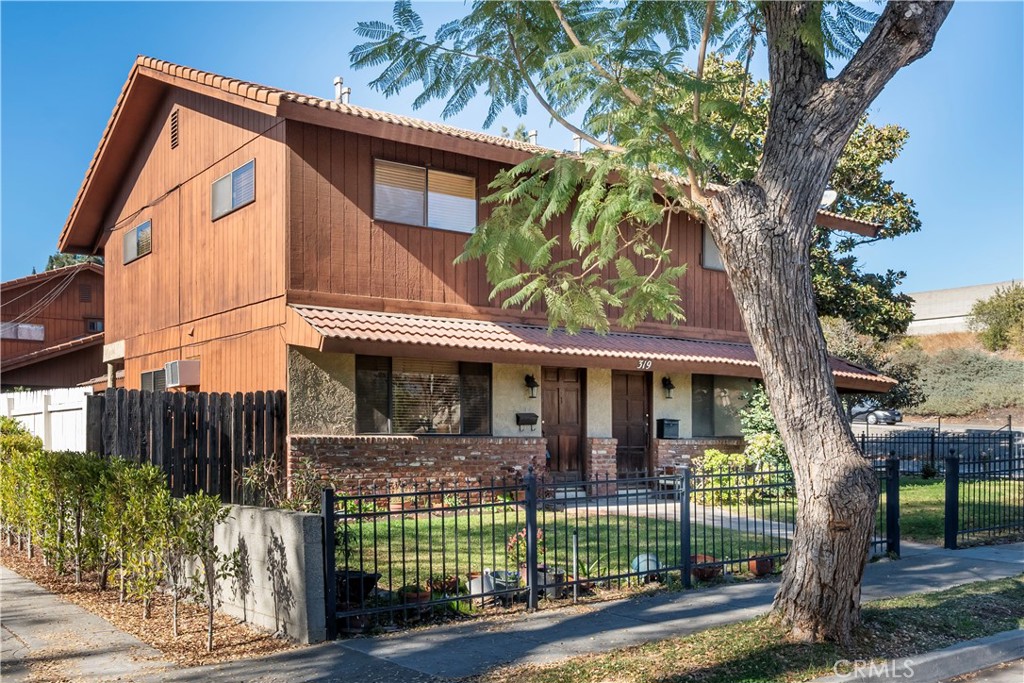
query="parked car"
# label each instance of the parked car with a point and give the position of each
(873, 414)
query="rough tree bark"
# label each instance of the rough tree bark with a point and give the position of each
(764, 229)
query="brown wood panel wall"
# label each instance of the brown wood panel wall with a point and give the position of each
(67, 370)
(64, 318)
(337, 247)
(207, 284)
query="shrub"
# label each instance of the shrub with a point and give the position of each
(999, 319)
(963, 381)
(734, 478)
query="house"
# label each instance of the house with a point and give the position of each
(259, 239)
(51, 328)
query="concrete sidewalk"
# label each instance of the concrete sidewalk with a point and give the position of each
(48, 639)
(45, 638)
(471, 648)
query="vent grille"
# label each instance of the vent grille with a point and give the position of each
(174, 129)
(85, 293)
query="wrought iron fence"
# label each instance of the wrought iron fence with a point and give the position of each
(923, 451)
(428, 551)
(984, 499)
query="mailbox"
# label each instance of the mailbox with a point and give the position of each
(668, 429)
(526, 419)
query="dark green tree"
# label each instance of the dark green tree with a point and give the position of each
(630, 79)
(63, 260)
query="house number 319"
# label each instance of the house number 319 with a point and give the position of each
(643, 364)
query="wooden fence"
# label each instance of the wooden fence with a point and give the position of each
(202, 441)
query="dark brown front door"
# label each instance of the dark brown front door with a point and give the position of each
(562, 396)
(631, 418)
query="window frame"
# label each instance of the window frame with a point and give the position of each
(161, 372)
(94, 322)
(16, 329)
(386, 364)
(706, 237)
(148, 225)
(229, 177)
(427, 171)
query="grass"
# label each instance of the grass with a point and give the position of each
(983, 504)
(759, 650)
(410, 548)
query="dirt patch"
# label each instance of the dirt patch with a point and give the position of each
(232, 639)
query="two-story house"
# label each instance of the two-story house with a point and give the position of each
(51, 328)
(278, 240)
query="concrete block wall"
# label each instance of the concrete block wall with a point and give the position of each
(388, 461)
(282, 553)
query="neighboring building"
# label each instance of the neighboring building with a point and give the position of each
(52, 328)
(948, 310)
(278, 241)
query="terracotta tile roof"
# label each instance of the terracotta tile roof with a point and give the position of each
(47, 274)
(482, 335)
(51, 351)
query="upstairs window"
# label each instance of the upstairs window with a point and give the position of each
(415, 396)
(138, 242)
(234, 190)
(415, 195)
(22, 331)
(711, 257)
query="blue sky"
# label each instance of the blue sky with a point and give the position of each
(63, 64)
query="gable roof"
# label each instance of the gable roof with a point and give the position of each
(150, 79)
(35, 278)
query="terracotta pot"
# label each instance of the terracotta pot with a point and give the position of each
(704, 573)
(761, 566)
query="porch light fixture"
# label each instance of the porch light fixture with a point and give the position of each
(531, 385)
(666, 384)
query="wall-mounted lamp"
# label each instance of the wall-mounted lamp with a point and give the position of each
(666, 384)
(531, 385)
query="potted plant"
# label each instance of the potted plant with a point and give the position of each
(443, 584)
(353, 586)
(705, 573)
(761, 566)
(516, 549)
(414, 594)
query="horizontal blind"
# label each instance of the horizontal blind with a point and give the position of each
(144, 241)
(425, 397)
(243, 185)
(451, 201)
(398, 192)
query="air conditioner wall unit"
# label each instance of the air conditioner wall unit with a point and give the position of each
(182, 373)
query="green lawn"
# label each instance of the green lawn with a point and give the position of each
(410, 548)
(758, 650)
(983, 504)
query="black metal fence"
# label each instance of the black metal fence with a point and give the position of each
(923, 451)
(429, 551)
(984, 499)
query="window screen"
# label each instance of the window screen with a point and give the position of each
(451, 201)
(398, 192)
(476, 398)
(711, 257)
(138, 242)
(234, 190)
(373, 397)
(154, 380)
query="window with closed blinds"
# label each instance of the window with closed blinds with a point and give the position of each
(137, 242)
(155, 380)
(451, 201)
(234, 190)
(419, 196)
(419, 396)
(398, 192)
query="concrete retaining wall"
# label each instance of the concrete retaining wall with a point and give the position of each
(282, 554)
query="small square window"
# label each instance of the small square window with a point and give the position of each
(234, 190)
(137, 242)
(93, 325)
(155, 380)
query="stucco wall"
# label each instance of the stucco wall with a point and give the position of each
(282, 554)
(678, 407)
(321, 392)
(599, 403)
(509, 396)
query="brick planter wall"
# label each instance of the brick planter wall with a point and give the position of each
(677, 452)
(599, 461)
(380, 461)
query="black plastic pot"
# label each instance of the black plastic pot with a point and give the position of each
(355, 586)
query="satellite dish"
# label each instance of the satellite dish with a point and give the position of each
(829, 198)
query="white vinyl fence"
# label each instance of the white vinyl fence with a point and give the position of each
(57, 416)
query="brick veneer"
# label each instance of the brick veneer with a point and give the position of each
(676, 452)
(599, 461)
(382, 461)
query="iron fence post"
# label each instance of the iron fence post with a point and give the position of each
(892, 506)
(684, 526)
(531, 537)
(330, 580)
(952, 512)
(931, 449)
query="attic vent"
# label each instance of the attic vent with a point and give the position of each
(174, 129)
(85, 293)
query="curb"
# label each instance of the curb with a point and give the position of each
(940, 665)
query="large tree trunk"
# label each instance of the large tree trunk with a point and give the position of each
(764, 229)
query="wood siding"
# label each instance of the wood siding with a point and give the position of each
(63, 319)
(68, 370)
(212, 290)
(339, 255)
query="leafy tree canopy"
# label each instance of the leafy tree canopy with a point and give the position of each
(999, 319)
(62, 260)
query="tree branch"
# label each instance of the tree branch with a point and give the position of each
(695, 188)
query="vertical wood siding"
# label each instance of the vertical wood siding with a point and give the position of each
(337, 247)
(63, 318)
